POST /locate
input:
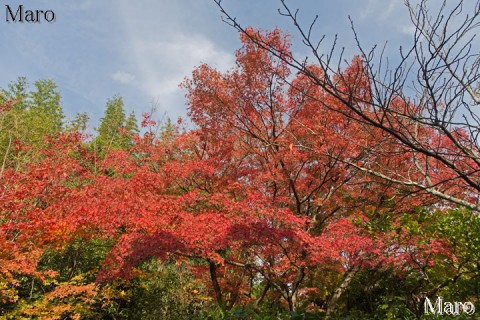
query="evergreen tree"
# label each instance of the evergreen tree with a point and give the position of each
(79, 123)
(13, 122)
(115, 130)
(45, 113)
(131, 129)
(17, 93)
(109, 130)
(32, 115)
(168, 131)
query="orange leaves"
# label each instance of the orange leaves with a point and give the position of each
(32, 205)
(265, 188)
(71, 298)
(345, 244)
(251, 56)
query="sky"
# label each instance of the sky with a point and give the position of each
(142, 50)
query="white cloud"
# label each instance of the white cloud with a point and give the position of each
(123, 77)
(163, 45)
(379, 10)
(163, 64)
(408, 29)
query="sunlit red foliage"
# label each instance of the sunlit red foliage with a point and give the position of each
(267, 186)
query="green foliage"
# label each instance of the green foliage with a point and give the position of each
(262, 312)
(33, 114)
(79, 123)
(79, 258)
(379, 294)
(162, 291)
(168, 131)
(389, 294)
(460, 229)
(46, 113)
(115, 131)
(17, 92)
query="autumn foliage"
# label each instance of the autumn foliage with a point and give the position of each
(263, 200)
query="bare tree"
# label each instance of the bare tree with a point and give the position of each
(429, 102)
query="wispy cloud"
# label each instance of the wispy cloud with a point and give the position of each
(96, 49)
(123, 77)
(163, 57)
(163, 64)
(380, 10)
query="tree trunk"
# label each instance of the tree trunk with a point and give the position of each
(216, 286)
(332, 303)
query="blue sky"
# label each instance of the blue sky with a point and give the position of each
(143, 49)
